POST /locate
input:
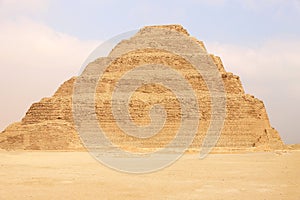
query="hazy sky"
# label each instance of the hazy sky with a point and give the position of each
(43, 43)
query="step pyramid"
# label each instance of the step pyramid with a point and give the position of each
(50, 125)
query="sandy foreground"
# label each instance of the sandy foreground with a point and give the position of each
(76, 175)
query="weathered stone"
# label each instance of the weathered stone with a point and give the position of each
(48, 124)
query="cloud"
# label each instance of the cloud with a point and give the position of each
(270, 72)
(12, 8)
(34, 60)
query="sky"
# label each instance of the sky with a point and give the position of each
(43, 43)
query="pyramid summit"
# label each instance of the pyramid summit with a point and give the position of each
(50, 125)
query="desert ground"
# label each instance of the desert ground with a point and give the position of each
(76, 175)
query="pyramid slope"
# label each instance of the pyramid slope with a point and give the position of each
(49, 125)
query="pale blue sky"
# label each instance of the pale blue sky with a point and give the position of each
(44, 42)
(234, 21)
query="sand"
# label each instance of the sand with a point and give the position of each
(76, 175)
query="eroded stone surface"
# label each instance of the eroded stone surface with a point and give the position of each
(48, 124)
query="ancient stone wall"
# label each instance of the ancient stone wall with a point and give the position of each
(48, 124)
